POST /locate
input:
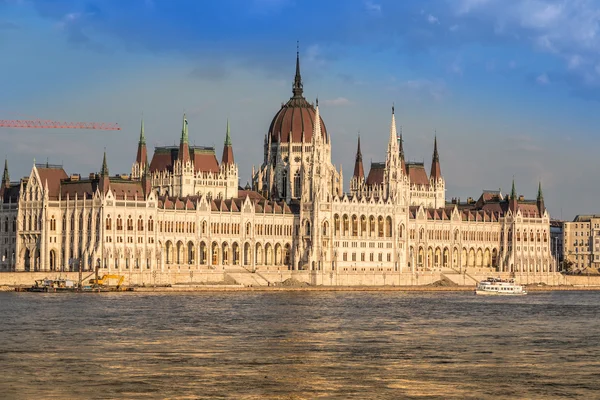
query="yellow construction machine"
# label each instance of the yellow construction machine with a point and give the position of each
(104, 281)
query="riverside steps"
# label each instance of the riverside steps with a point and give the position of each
(238, 278)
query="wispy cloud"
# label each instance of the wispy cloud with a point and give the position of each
(542, 79)
(338, 101)
(432, 19)
(372, 7)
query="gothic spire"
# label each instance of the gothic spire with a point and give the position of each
(104, 169)
(5, 176)
(317, 135)
(227, 158)
(540, 200)
(184, 147)
(297, 88)
(401, 151)
(512, 203)
(513, 192)
(184, 131)
(436, 171)
(142, 153)
(227, 137)
(359, 171)
(142, 136)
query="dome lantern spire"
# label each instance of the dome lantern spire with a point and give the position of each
(297, 88)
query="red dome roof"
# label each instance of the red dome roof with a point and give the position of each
(296, 116)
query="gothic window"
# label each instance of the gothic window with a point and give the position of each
(14, 224)
(80, 221)
(363, 225)
(345, 224)
(325, 226)
(150, 224)
(119, 223)
(108, 223)
(381, 228)
(297, 184)
(6, 224)
(307, 228)
(52, 223)
(388, 225)
(140, 226)
(284, 184)
(129, 223)
(336, 224)
(248, 228)
(354, 225)
(89, 224)
(72, 222)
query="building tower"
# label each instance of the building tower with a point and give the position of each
(436, 179)
(141, 159)
(358, 178)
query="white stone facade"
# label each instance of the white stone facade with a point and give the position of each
(185, 211)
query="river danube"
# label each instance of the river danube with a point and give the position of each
(299, 345)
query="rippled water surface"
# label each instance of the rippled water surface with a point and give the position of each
(299, 345)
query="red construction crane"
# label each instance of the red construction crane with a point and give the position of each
(49, 124)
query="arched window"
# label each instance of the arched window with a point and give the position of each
(129, 223)
(140, 226)
(325, 228)
(150, 224)
(307, 228)
(52, 223)
(108, 223)
(297, 184)
(248, 228)
(119, 223)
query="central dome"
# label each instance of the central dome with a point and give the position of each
(295, 117)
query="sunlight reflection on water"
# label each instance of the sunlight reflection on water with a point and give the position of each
(299, 345)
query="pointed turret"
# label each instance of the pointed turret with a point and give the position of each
(359, 171)
(401, 152)
(227, 158)
(104, 180)
(393, 140)
(184, 147)
(5, 176)
(142, 153)
(317, 136)
(513, 202)
(540, 200)
(297, 88)
(436, 171)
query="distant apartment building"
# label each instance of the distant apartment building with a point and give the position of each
(581, 241)
(557, 241)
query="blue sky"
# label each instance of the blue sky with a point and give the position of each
(510, 87)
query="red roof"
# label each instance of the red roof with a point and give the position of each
(417, 174)
(376, 174)
(52, 175)
(204, 159)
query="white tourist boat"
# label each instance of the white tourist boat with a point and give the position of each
(497, 286)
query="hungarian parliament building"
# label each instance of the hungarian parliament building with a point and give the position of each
(183, 209)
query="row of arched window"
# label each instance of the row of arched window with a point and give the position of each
(130, 226)
(359, 226)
